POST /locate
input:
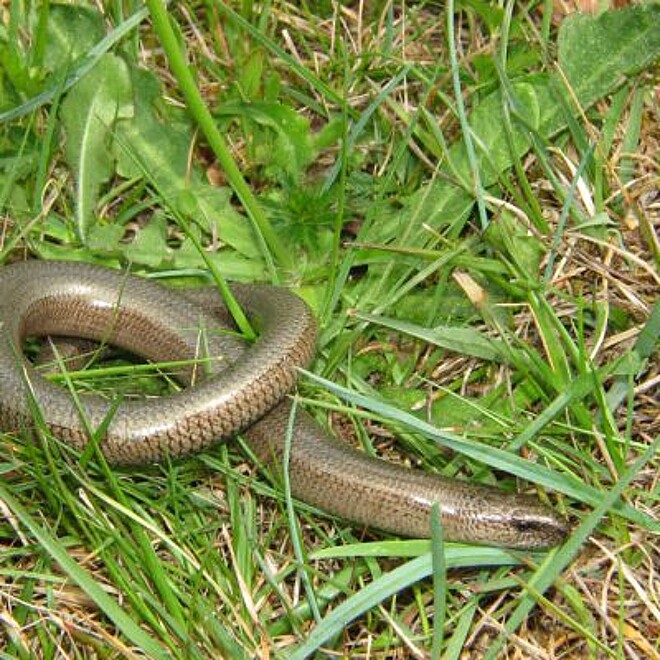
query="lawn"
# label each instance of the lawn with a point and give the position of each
(468, 196)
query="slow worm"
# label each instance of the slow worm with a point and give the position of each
(244, 391)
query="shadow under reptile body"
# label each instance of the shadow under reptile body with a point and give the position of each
(244, 392)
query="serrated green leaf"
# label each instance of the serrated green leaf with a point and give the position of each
(149, 247)
(104, 238)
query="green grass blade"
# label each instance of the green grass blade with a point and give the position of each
(82, 578)
(263, 229)
(556, 562)
(389, 584)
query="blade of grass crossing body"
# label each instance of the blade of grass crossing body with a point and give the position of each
(153, 368)
(296, 537)
(419, 125)
(234, 308)
(268, 239)
(84, 580)
(558, 560)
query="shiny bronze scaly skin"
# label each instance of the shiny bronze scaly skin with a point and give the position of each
(244, 391)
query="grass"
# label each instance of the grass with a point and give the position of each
(473, 220)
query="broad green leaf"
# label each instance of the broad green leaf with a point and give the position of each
(89, 113)
(231, 265)
(149, 147)
(493, 149)
(250, 74)
(149, 247)
(215, 213)
(72, 31)
(524, 249)
(104, 238)
(86, 64)
(596, 54)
